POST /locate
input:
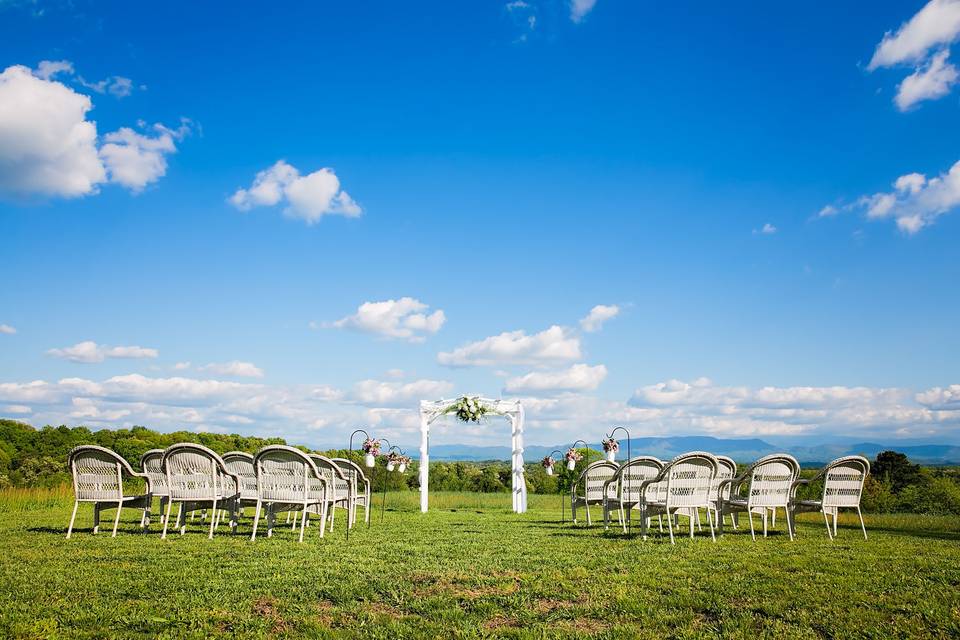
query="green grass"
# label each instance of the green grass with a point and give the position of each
(470, 568)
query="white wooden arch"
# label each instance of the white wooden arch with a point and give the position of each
(512, 410)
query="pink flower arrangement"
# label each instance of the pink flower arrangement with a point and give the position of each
(573, 454)
(371, 446)
(547, 462)
(609, 444)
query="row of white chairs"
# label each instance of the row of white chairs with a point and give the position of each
(699, 480)
(277, 479)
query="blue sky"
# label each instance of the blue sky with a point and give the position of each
(719, 179)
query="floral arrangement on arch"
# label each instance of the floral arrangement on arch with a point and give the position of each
(371, 446)
(469, 409)
(610, 445)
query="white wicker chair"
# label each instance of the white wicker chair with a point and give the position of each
(627, 481)
(197, 478)
(340, 489)
(595, 487)
(842, 488)
(151, 463)
(287, 479)
(240, 463)
(360, 484)
(726, 471)
(98, 475)
(682, 486)
(770, 480)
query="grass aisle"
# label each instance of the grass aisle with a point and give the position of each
(470, 568)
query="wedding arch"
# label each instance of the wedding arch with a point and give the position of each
(473, 409)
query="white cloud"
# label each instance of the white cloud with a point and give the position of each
(828, 211)
(135, 160)
(768, 229)
(379, 393)
(308, 197)
(89, 351)
(943, 399)
(916, 201)
(117, 86)
(406, 318)
(550, 346)
(234, 368)
(7, 329)
(580, 8)
(578, 378)
(929, 82)
(48, 69)
(49, 148)
(936, 24)
(599, 315)
(17, 409)
(180, 366)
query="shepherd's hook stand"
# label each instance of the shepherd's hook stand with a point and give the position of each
(629, 483)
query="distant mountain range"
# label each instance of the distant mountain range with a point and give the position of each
(740, 450)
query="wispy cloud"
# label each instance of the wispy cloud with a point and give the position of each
(598, 316)
(551, 346)
(88, 352)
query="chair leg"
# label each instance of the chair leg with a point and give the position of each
(644, 523)
(256, 520)
(753, 534)
(166, 519)
(836, 512)
(96, 518)
(76, 503)
(624, 517)
(182, 518)
(214, 519)
(690, 517)
(670, 526)
(589, 520)
(323, 518)
(764, 523)
(271, 519)
(660, 523)
(116, 521)
(712, 534)
(303, 522)
(862, 525)
(773, 519)
(699, 526)
(827, 520)
(719, 521)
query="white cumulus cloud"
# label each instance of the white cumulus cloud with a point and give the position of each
(48, 147)
(381, 393)
(916, 201)
(7, 329)
(578, 378)
(406, 318)
(923, 42)
(234, 368)
(936, 24)
(550, 346)
(931, 81)
(308, 197)
(89, 351)
(599, 315)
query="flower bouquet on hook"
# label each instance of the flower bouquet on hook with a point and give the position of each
(393, 460)
(572, 457)
(371, 449)
(610, 448)
(548, 463)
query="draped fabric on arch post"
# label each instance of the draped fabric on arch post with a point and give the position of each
(512, 410)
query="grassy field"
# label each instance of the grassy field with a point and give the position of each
(470, 568)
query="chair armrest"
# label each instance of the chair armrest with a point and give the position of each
(236, 481)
